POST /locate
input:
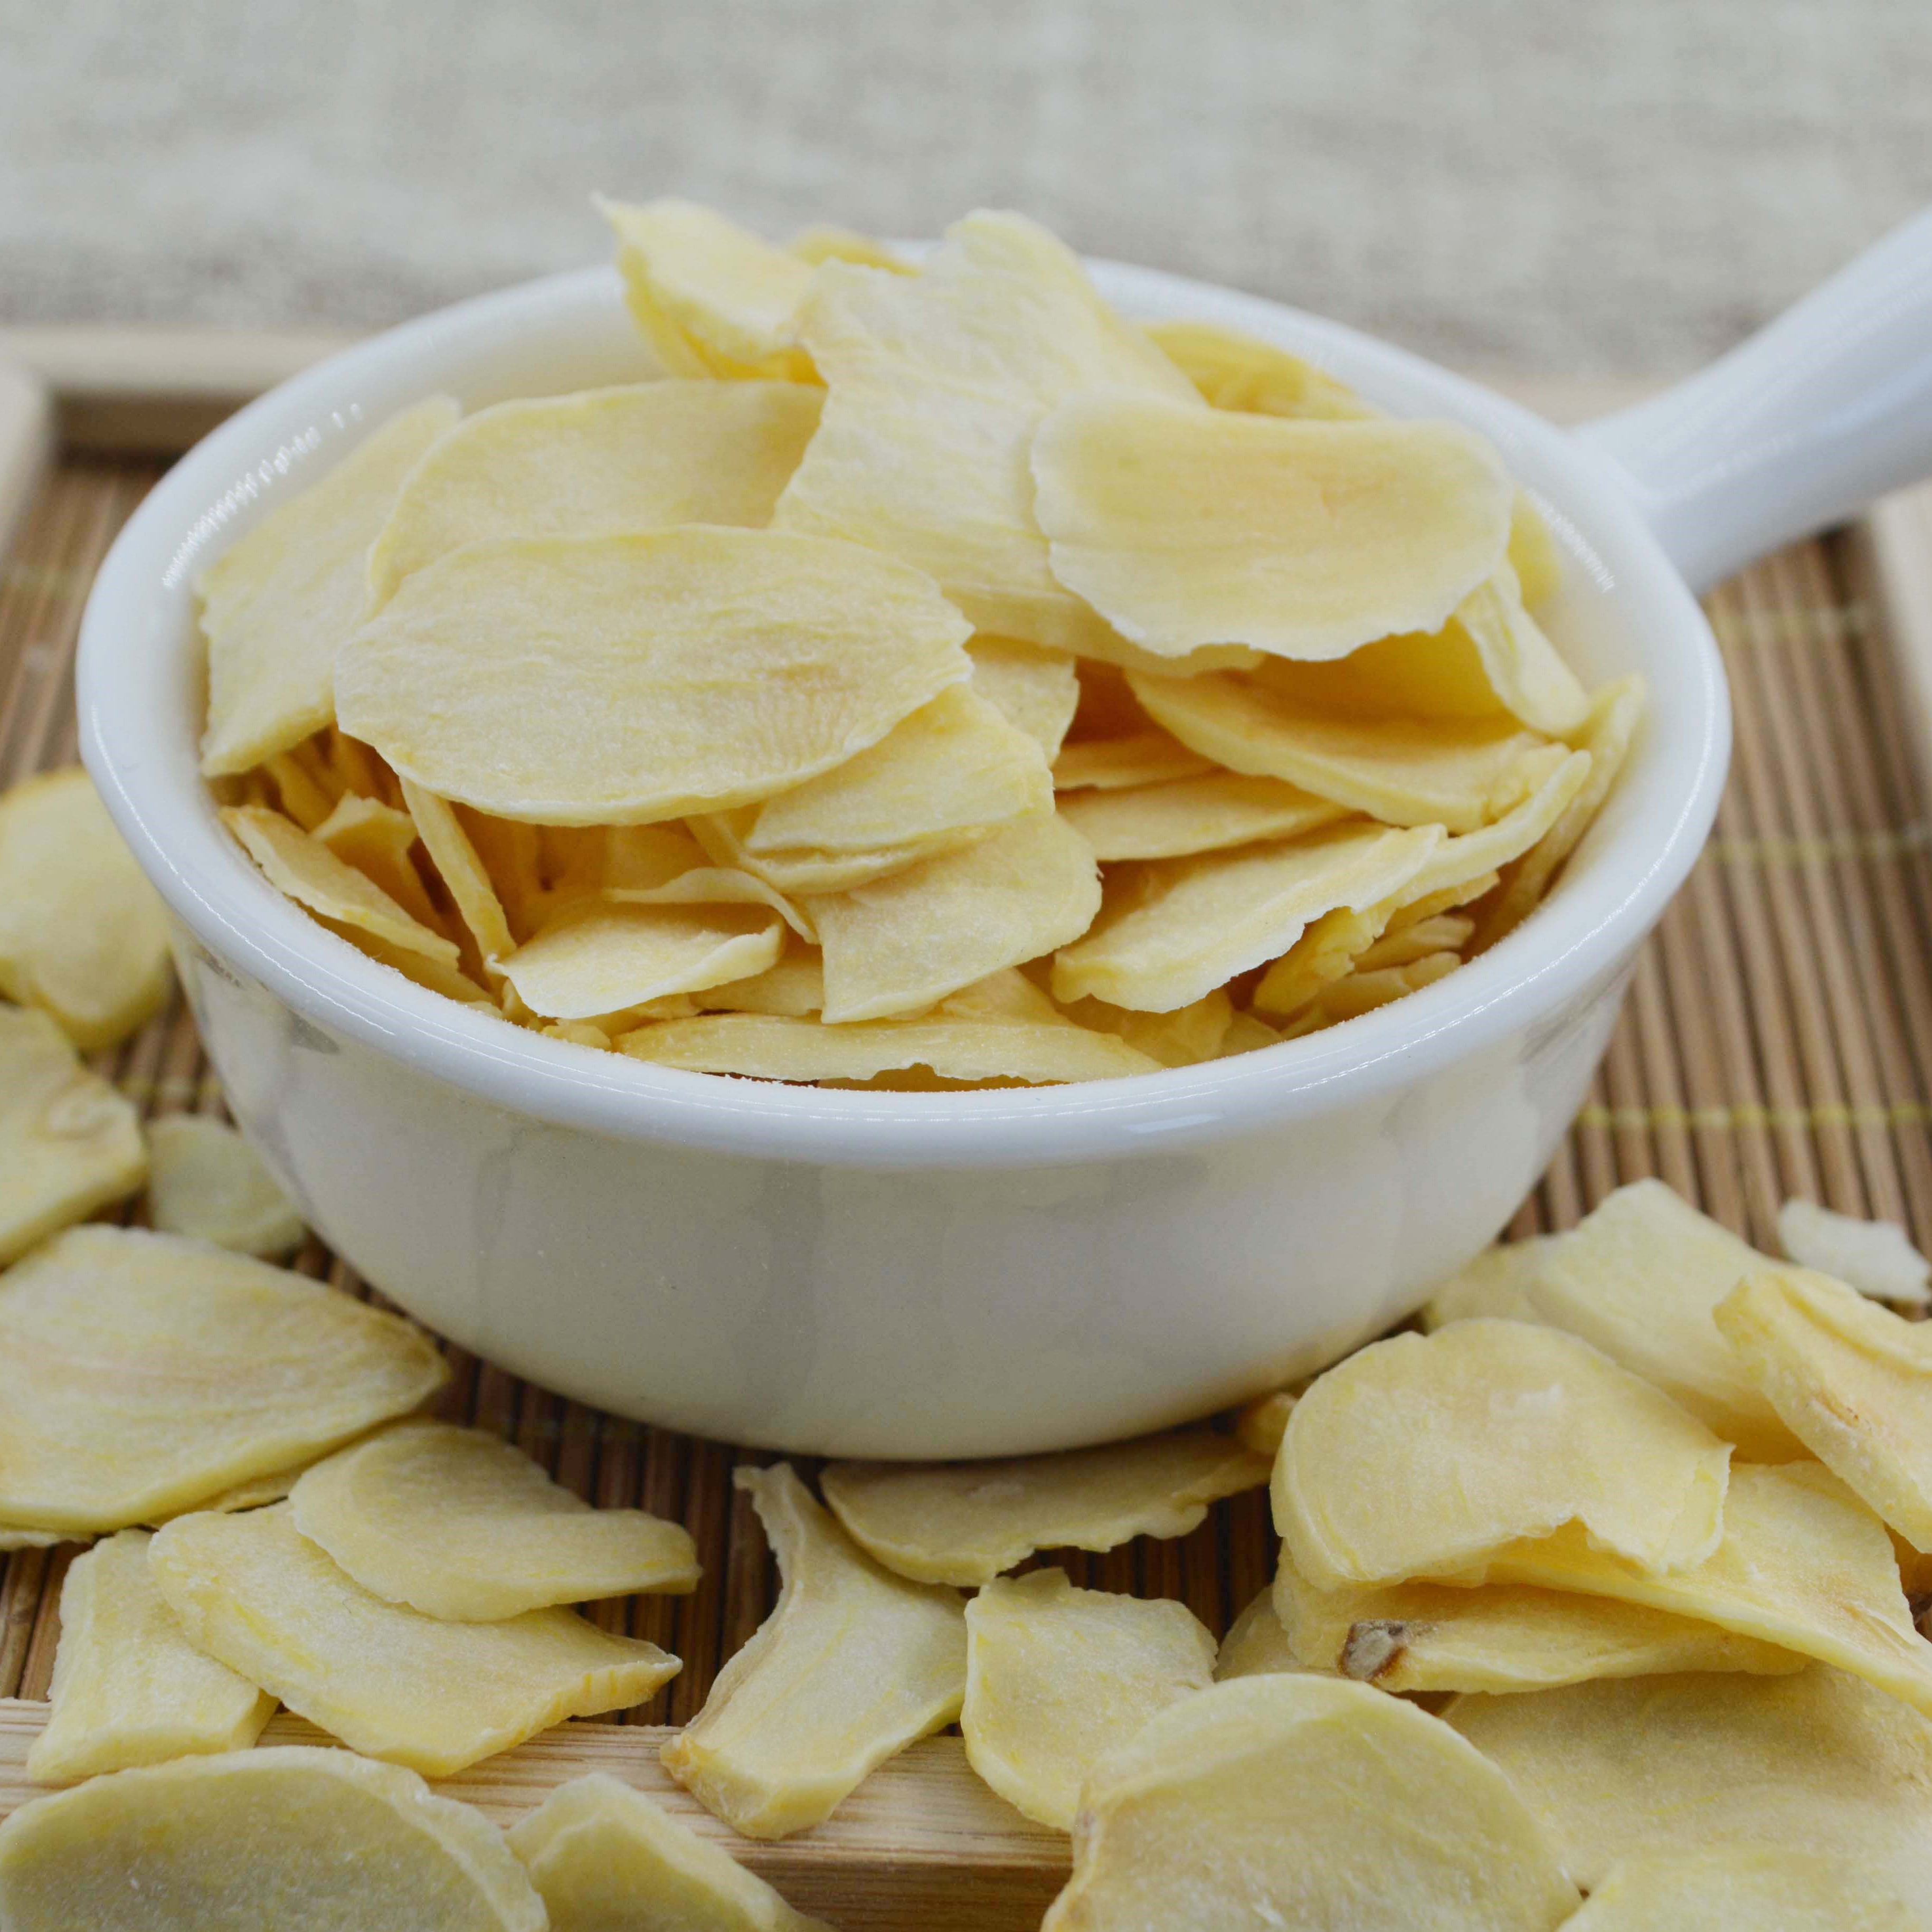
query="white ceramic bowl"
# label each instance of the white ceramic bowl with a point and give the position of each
(898, 1275)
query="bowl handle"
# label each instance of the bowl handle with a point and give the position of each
(1806, 422)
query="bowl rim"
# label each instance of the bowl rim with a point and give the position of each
(1575, 940)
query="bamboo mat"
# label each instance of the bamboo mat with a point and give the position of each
(1777, 1040)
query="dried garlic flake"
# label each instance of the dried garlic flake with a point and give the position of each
(1877, 1258)
(606, 1858)
(69, 1144)
(852, 1666)
(389, 1682)
(83, 936)
(1745, 1888)
(128, 1687)
(209, 1182)
(141, 1372)
(1817, 1762)
(290, 1836)
(1423, 1456)
(1057, 1676)
(966, 1523)
(460, 1524)
(1289, 1800)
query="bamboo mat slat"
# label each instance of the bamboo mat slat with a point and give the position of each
(1777, 1039)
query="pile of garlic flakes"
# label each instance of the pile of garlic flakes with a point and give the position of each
(932, 679)
(1604, 1580)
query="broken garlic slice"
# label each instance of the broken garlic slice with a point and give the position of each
(1287, 1799)
(1423, 1456)
(605, 1858)
(1877, 1258)
(1057, 1676)
(288, 1836)
(1255, 1644)
(128, 1687)
(389, 1682)
(852, 1665)
(461, 1525)
(966, 1523)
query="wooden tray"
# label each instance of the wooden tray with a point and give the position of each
(1777, 1040)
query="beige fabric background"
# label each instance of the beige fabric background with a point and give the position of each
(1560, 187)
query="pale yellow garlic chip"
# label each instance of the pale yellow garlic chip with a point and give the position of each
(1745, 1888)
(1459, 775)
(1877, 1258)
(852, 1665)
(1294, 1800)
(1183, 1038)
(1259, 1425)
(1423, 1455)
(1171, 929)
(955, 764)
(390, 1682)
(771, 1046)
(460, 1525)
(437, 976)
(128, 1687)
(1802, 1563)
(1007, 994)
(1114, 764)
(1256, 1645)
(13, 1537)
(794, 988)
(83, 936)
(1056, 1677)
(1530, 679)
(1441, 1637)
(966, 1523)
(937, 382)
(606, 1858)
(1533, 554)
(1852, 1380)
(1234, 371)
(733, 298)
(1032, 687)
(207, 1181)
(608, 680)
(716, 886)
(1186, 528)
(1328, 948)
(805, 873)
(1555, 779)
(303, 799)
(1357, 993)
(140, 1372)
(599, 958)
(288, 1836)
(1494, 1283)
(1615, 711)
(1817, 1762)
(462, 870)
(599, 463)
(377, 839)
(277, 605)
(1180, 817)
(1247, 1034)
(1640, 1278)
(308, 872)
(900, 943)
(825, 242)
(69, 1144)
(1441, 932)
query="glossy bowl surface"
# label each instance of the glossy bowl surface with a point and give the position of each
(910, 1275)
